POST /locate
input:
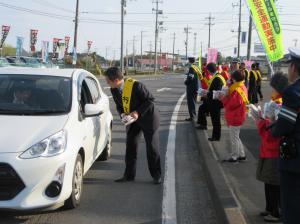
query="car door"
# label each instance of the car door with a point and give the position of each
(90, 128)
(98, 121)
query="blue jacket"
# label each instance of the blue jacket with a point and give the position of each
(288, 124)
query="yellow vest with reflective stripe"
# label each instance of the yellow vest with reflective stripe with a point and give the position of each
(126, 95)
(197, 70)
(217, 76)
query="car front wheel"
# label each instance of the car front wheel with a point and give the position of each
(77, 184)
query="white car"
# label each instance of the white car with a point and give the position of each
(54, 124)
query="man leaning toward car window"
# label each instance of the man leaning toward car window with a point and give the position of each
(135, 104)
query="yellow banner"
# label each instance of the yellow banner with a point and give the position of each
(265, 16)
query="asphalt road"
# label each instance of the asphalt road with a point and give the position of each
(139, 202)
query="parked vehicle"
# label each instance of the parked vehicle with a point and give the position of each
(55, 123)
(4, 62)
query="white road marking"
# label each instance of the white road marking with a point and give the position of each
(106, 87)
(163, 89)
(109, 97)
(169, 191)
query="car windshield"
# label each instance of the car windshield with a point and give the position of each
(34, 94)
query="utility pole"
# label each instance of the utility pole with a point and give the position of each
(142, 50)
(186, 30)
(160, 53)
(209, 27)
(249, 38)
(195, 44)
(173, 51)
(76, 25)
(239, 30)
(150, 45)
(157, 11)
(106, 59)
(296, 41)
(126, 54)
(123, 5)
(133, 52)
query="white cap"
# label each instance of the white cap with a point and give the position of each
(294, 53)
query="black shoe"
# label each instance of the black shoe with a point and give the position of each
(157, 180)
(201, 127)
(242, 158)
(213, 139)
(230, 160)
(124, 179)
(189, 119)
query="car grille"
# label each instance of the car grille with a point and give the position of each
(10, 182)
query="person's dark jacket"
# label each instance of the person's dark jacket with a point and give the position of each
(142, 101)
(191, 82)
(216, 84)
(288, 124)
(252, 88)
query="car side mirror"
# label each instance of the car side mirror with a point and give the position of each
(93, 110)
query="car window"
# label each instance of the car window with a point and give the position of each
(85, 96)
(93, 88)
(34, 94)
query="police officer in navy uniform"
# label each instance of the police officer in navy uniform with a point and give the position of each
(288, 127)
(192, 85)
(143, 109)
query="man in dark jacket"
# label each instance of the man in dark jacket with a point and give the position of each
(288, 126)
(134, 99)
(215, 105)
(192, 85)
(252, 86)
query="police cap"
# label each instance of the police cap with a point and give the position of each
(294, 54)
(191, 59)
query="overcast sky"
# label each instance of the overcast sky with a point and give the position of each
(100, 23)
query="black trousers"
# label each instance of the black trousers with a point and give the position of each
(259, 92)
(191, 100)
(151, 136)
(215, 114)
(290, 197)
(272, 194)
(202, 112)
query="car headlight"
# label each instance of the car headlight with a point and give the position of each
(51, 146)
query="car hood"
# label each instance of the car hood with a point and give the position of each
(18, 133)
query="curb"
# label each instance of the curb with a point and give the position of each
(228, 209)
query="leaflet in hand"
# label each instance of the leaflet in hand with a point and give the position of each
(202, 92)
(127, 119)
(255, 112)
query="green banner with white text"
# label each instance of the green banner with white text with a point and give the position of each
(265, 16)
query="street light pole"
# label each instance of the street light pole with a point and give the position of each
(239, 31)
(123, 5)
(76, 28)
(156, 36)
